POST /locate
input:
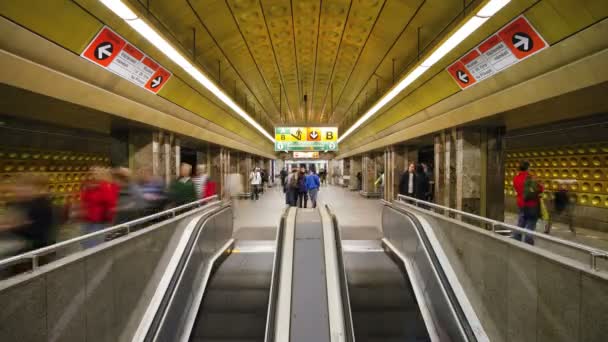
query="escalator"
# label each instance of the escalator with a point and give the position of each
(221, 291)
(396, 288)
(382, 300)
(235, 304)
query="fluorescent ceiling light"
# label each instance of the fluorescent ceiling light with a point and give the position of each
(165, 47)
(463, 32)
(120, 9)
(492, 7)
(456, 38)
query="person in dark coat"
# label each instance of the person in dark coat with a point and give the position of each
(421, 183)
(407, 182)
(414, 182)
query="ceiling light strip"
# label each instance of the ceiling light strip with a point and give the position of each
(485, 13)
(146, 31)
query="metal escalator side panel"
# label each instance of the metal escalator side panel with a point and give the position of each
(165, 282)
(175, 318)
(282, 324)
(341, 323)
(275, 280)
(465, 308)
(446, 311)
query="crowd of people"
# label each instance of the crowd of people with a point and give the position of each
(110, 197)
(300, 185)
(114, 196)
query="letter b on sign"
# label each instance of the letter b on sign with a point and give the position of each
(329, 135)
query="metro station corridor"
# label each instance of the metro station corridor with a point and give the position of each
(155, 157)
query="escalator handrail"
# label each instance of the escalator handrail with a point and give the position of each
(445, 283)
(346, 308)
(157, 321)
(275, 277)
(594, 253)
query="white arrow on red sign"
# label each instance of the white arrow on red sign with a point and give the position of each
(463, 77)
(314, 134)
(104, 50)
(522, 42)
(156, 81)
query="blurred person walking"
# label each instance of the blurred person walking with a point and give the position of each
(181, 190)
(130, 200)
(98, 201)
(421, 183)
(200, 180)
(28, 222)
(152, 190)
(312, 184)
(528, 201)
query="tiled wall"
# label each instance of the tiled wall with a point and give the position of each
(583, 166)
(65, 170)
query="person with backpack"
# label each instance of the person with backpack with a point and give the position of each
(528, 201)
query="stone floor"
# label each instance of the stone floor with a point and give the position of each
(360, 218)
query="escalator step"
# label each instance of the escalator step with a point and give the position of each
(375, 279)
(204, 339)
(241, 280)
(237, 300)
(375, 298)
(392, 339)
(389, 324)
(230, 326)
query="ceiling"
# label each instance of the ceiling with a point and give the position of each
(305, 61)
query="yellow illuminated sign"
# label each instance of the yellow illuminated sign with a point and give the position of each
(306, 138)
(322, 134)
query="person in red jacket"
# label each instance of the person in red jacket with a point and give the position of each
(98, 204)
(527, 202)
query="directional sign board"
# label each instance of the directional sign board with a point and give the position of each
(306, 155)
(306, 139)
(114, 53)
(516, 41)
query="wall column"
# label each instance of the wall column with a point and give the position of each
(355, 168)
(469, 170)
(396, 166)
(245, 167)
(141, 150)
(389, 173)
(369, 172)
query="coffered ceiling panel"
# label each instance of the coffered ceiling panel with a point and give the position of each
(305, 61)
